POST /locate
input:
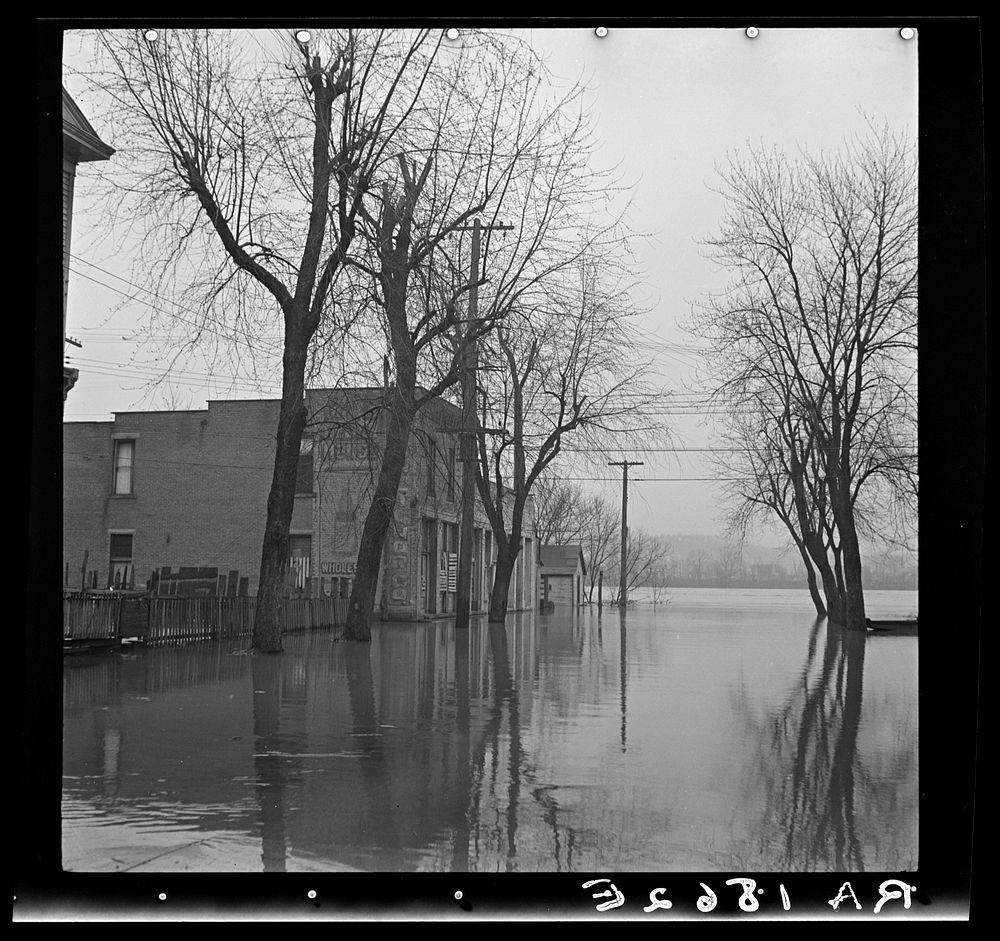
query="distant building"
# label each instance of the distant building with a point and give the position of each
(80, 145)
(165, 491)
(561, 575)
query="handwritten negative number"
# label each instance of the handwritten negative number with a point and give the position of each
(748, 901)
(708, 901)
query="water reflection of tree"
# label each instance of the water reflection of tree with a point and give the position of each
(531, 801)
(807, 772)
(374, 759)
(271, 769)
(511, 811)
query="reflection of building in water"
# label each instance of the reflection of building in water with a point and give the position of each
(319, 756)
(154, 492)
(347, 759)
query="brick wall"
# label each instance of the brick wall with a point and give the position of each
(200, 486)
(199, 496)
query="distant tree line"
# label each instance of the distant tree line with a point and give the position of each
(566, 515)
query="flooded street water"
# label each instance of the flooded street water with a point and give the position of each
(725, 730)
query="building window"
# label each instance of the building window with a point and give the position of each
(451, 473)
(428, 573)
(304, 474)
(448, 567)
(299, 554)
(431, 461)
(121, 571)
(124, 462)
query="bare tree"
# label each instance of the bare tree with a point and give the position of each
(559, 506)
(729, 562)
(249, 174)
(658, 581)
(645, 554)
(697, 563)
(268, 181)
(601, 524)
(499, 143)
(824, 301)
(567, 366)
(771, 471)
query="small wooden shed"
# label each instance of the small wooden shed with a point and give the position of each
(561, 576)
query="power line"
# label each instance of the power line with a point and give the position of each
(273, 346)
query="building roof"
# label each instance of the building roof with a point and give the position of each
(333, 405)
(80, 140)
(562, 560)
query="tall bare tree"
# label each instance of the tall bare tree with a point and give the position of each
(264, 176)
(498, 145)
(249, 164)
(823, 304)
(567, 366)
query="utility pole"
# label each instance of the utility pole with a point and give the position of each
(623, 588)
(467, 442)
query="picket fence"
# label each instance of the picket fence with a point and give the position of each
(165, 621)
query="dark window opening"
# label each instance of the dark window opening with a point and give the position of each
(451, 473)
(121, 571)
(304, 474)
(431, 461)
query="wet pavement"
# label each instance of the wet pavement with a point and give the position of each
(723, 731)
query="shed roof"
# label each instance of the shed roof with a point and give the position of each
(562, 560)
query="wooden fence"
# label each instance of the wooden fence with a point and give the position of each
(184, 620)
(90, 617)
(166, 621)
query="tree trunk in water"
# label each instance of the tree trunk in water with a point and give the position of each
(817, 598)
(834, 596)
(838, 570)
(280, 502)
(813, 544)
(501, 585)
(854, 597)
(399, 420)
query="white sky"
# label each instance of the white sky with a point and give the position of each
(670, 103)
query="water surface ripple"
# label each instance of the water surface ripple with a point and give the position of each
(723, 731)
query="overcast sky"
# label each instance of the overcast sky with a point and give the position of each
(670, 104)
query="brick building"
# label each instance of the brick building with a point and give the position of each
(188, 489)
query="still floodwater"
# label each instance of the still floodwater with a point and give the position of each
(723, 731)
